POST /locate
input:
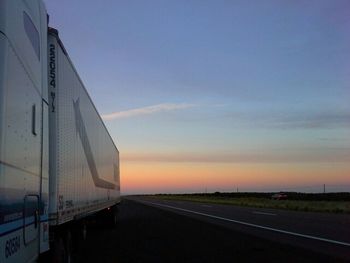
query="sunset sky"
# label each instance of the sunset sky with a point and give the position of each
(217, 95)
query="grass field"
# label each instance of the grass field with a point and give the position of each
(263, 202)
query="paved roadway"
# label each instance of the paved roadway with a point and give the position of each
(152, 230)
(318, 232)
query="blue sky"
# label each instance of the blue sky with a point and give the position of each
(227, 81)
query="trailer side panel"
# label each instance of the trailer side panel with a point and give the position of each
(84, 161)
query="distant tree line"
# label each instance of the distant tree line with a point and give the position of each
(341, 196)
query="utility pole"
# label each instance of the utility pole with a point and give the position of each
(324, 188)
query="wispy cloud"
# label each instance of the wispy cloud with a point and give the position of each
(164, 107)
(292, 120)
(332, 119)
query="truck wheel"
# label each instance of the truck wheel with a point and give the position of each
(79, 234)
(68, 246)
(58, 251)
(62, 248)
(113, 217)
(83, 231)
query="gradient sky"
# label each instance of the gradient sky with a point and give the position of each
(215, 95)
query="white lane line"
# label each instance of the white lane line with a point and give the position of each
(254, 225)
(263, 213)
(206, 205)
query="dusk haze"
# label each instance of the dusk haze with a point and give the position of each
(217, 96)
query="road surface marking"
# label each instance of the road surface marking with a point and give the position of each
(253, 225)
(206, 205)
(263, 213)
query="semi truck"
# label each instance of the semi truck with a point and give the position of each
(59, 166)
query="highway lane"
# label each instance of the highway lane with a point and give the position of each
(149, 233)
(317, 232)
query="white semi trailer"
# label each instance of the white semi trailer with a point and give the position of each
(58, 164)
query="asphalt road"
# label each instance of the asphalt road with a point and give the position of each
(319, 232)
(148, 232)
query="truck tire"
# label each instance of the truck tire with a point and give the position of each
(112, 217)
(79, 232)
(83, 231)
(68, 246)
(58, 254)
(62, 248)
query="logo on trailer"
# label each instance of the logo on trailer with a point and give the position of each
(52, 75)
(52, 66)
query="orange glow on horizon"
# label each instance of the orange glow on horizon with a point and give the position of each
(149, 177)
